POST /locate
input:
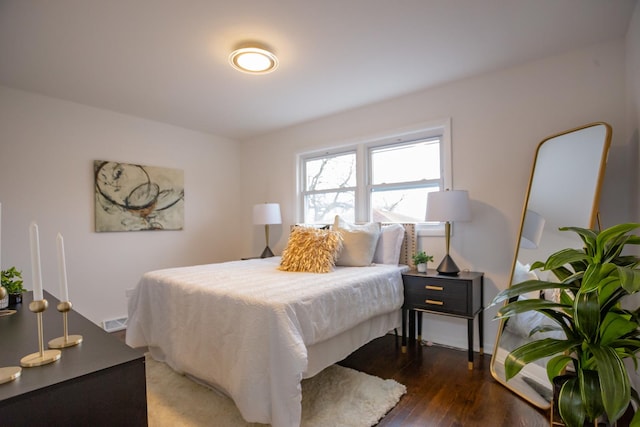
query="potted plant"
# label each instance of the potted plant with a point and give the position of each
(12, 282)
(420, 260)
(599, 332)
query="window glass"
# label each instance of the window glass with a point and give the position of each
(331, 172)
(322, 208)
(402, 205)
(329, 187)
(406, 162)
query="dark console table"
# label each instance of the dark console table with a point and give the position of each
(99, 382)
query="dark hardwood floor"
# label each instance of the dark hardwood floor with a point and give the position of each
(441, 390)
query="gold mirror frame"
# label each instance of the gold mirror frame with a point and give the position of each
(560, 167)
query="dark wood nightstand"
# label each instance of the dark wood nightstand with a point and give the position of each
(458, 296)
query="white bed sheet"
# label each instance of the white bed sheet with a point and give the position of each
(246, 327)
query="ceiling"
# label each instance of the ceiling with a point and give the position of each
(166, 60)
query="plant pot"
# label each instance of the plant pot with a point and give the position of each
(15, 299)
(422, 268)
(556, 420)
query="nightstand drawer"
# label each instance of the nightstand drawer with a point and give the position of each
(447, 296)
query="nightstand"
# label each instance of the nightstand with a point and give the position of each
(430, 292)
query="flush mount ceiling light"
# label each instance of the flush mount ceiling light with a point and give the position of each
(253, 60)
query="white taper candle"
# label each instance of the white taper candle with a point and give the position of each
(35, 262)
(62, 270)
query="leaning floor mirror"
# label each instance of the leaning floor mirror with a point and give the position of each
(564, 190)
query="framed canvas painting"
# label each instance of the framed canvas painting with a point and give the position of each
(131, 197)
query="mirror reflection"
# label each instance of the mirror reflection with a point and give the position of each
(564, 190)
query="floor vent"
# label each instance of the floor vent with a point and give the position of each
(113, 325)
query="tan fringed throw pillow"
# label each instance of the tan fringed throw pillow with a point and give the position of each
(311, 250)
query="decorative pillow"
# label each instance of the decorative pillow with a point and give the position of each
(389, 245)
(358, 242)
(311, 249)
(522, 273)
(522, 324)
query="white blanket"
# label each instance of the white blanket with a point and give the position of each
(244, 326)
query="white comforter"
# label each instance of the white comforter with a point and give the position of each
(245, 326)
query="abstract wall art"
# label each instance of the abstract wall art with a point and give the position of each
(132, 197)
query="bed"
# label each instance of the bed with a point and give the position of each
(254, 331)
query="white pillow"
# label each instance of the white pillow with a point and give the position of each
(522, 273)
(522, 324)
(389, 245)
(359, 242)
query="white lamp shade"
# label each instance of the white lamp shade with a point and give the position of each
(267, 213)
(531, 230)
(450, 205)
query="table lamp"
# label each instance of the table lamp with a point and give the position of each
(266, 213)
(531, 230)
(448, 206)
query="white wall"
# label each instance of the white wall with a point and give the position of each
(47, 149)
(498, 119)
(633, 99)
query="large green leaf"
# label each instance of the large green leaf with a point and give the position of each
(615, 326)
(629, 345)
(590, 393)
(557, 364)
(588, 236)
(526, 305)
(596, 274)
(534, 350)
(614, 382)
(570, 404)
(610, 242)
(629, 279)
(586, 309)
(526, 287)
(565, 256)
(607, 289)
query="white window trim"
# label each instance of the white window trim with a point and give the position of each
(437, 127)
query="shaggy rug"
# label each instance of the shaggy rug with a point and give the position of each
(337, 396)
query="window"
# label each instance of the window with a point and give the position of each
(385, 179)
(401, 176)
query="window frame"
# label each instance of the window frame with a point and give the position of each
(363, 148)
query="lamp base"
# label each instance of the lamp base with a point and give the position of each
(448, 267)
(266, 253)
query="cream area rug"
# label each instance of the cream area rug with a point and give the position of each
(337, 396)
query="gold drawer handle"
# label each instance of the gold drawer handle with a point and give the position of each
(434, 288)
(434, 302)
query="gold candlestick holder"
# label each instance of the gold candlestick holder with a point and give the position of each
(42, 357)
(8, 373)
(66, 340)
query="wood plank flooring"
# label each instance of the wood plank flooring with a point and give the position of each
(441, 391)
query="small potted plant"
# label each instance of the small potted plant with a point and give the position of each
(12, 282)
(420, 260)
